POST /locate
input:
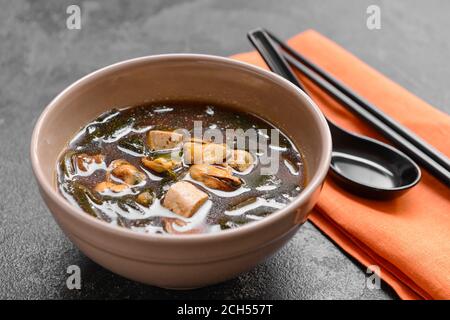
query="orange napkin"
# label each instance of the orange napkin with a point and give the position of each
(407, 238)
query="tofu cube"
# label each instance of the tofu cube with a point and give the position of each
(184, 198)
(161, 140)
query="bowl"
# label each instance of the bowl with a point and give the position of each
(181, 261)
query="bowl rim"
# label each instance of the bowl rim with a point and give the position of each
(314, 183)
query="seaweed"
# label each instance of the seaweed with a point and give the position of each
(160, 189)
(107, 114)
(166, 154)
(242, 203)
(66, 163)
(133, 143)
(168, 177)
(128, 202)
(84, 197)
(105, 126)
(227, 223)
(258, 180)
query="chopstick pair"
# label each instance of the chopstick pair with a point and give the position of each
(404, 139)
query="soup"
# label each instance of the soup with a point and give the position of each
(180, 168)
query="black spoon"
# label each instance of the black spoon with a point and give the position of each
(362, 165)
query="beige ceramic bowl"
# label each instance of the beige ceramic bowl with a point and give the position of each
(174, 261)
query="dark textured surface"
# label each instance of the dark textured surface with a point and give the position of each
(39, 57)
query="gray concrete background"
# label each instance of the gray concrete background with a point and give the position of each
(39, 57)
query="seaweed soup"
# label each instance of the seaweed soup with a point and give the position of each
(134, 168)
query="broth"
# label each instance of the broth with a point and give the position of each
(125, 168)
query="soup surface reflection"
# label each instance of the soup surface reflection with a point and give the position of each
(180, 168)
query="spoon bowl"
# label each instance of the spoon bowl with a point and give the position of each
(370, 168)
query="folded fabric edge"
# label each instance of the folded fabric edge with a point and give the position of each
(402, 285)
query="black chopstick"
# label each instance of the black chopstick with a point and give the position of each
(414, 139)
(282, 67)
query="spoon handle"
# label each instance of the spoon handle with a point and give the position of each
(260, 39)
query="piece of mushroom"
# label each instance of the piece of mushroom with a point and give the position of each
(169, 227)
(105, 186)
(205, 153)
(84, 161)
(145, 198)
(161, 164)
(126, 172)
(215, 177)
(240, 160)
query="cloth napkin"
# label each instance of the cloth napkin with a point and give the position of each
(407, 238)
